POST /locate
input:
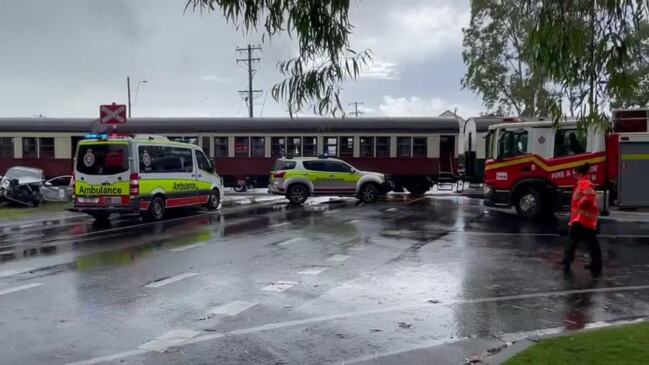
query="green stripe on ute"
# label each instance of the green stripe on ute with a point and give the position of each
(635, 157)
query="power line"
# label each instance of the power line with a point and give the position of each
(249, 60)
(356, 112)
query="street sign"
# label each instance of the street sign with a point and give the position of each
(112, 114)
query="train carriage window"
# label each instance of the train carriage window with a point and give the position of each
(29, 147)
(278, 146)
(367, 146)
(382, 146)
(46, 147)
(569, 142)
(241, 146)
(294, 147)
(419, 147)
(346, 146)
(206, 145)
(404, 146)
(330, 147)
(309, 148)
(220, 146)
(6, 147)
(257, 146)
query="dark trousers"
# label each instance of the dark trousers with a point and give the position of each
(579, 233)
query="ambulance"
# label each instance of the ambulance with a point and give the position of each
(142, 174)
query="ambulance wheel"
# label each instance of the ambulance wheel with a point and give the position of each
(213, 200)
(156, 209)
(369, 193)
(529, 203)
(297, 194)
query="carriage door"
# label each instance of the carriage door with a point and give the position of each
(446, 154)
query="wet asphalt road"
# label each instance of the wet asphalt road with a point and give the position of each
(332, 282)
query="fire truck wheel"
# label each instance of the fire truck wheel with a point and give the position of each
(528, 203)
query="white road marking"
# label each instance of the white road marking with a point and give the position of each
(169, 339)
(233, 308)
(117, 356)
(188, 247)
(338, 258)
(19, 288)
(420, 305)
(279, 286)
(353, 221)
(279, 225)
(391, 209)
(171, 280)
(289, 241)
(313, 271)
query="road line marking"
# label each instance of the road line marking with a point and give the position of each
(426, 305)
(289, 241)
(353, 221)
(169, 339)
(19, 288)
(338, 258)
(189, 247)
(416, 200)
(279, 225)
(313, 271)
(117, 356)
(171, 280)
(279, 286)
(233, 308)
(391, 210)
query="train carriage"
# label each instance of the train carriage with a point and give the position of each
(415, 152)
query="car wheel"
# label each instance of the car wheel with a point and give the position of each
(156, 209)
(297, 193)
(369, 193)
(213, 200)
(529, 204)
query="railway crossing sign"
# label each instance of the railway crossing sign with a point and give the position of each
(112, 114)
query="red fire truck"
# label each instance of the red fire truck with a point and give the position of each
(530, 162)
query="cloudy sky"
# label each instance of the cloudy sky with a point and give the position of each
(64, 58)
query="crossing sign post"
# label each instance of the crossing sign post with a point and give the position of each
(112, 114)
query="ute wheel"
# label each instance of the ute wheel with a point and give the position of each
(297, 194)
(240, 188)
(529, 203)
(156, 209)
(369, 193)
(213, 200)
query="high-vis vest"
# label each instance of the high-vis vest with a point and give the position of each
(584, 208)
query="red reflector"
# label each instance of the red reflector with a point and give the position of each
(279, 174)
(134, 184)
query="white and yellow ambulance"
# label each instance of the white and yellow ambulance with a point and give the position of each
(144, 174)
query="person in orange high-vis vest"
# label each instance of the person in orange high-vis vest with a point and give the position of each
(583, 222)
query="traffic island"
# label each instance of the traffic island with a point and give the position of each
(628, 344)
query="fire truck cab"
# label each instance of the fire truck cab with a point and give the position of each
(530, 164)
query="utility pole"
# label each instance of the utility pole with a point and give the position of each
(249, 60)
(128, 90)
(356, 112)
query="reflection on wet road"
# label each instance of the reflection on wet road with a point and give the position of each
(279, 284)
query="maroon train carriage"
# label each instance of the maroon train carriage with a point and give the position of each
(415, 152)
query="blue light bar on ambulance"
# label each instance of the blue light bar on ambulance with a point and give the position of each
(96, 136)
